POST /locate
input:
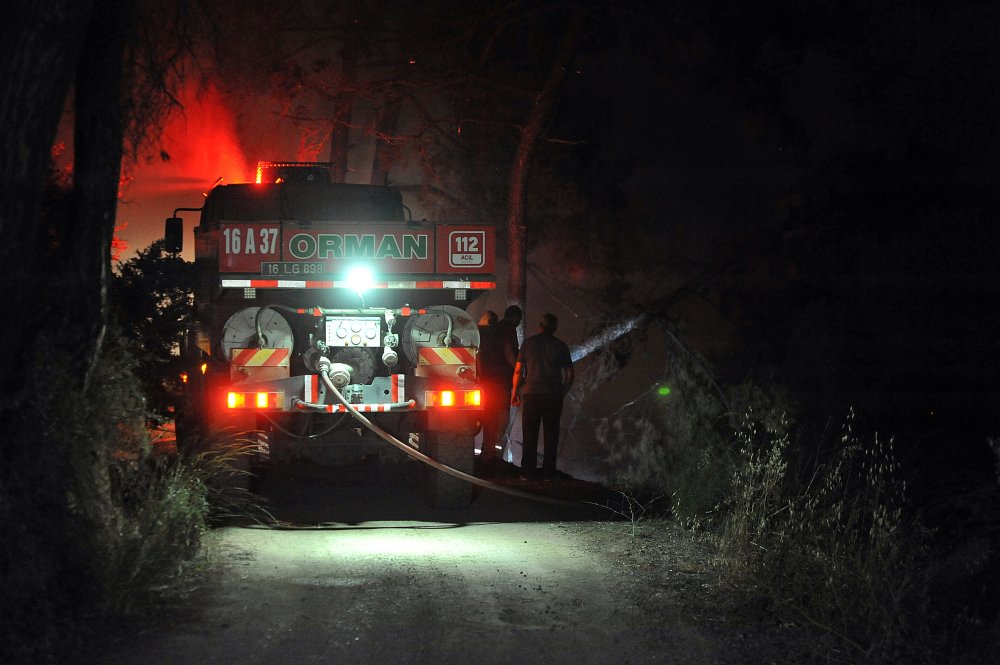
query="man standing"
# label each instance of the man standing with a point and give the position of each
(498, 354)
(542, 377)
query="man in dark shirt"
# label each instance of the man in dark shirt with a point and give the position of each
(542, 377)
(498, 354)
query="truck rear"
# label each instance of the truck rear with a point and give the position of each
(316, 302)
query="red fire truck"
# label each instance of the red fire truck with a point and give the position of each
(328, 320)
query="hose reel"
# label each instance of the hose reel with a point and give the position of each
(443, 341)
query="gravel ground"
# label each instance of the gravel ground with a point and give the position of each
(356, 569)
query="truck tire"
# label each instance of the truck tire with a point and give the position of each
(455, 450)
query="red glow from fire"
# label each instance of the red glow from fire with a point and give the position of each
(199, 146)
(118, 246)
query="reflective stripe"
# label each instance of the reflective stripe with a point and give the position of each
(456, 355)
(398, 391)
(396, 284)
(311, 391)
(363, 408)
(260, 357)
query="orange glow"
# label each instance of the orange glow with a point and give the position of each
(118, 246)
(457, 399)
(184, 377)
(204, 367)
(199, 144)
(255, 400)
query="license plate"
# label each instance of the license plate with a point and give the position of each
(290, 268)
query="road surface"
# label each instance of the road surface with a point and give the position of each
(357, 569)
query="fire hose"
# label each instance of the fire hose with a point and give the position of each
(421, 457)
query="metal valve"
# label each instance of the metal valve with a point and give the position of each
(389, 356)
(339, 373)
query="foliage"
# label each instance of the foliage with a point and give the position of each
(95, 521)
(669, 444)
(823, 528)
(151, 295)
(834, 547)
(675, 439)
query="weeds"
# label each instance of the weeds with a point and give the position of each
(832, 548)
(671, 442)
(94, 523)
(632, 508)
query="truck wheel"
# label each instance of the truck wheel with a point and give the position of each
(457, 451)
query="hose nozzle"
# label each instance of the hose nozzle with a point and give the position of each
(389, 356)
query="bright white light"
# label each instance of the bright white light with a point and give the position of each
(406, 543)
(360, 278)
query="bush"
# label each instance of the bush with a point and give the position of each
(833, 547)
(671, 441)
(93, 521)
(676, 440)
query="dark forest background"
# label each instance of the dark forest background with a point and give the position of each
(821, 176)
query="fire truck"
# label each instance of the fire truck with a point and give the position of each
(328, 321)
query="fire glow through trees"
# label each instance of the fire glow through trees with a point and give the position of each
(200, 146)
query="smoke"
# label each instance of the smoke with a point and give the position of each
(199, 146)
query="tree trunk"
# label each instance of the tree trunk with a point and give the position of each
(386, 152)
(38, 54)
(97, 169)
(545, 99)
(340, 133)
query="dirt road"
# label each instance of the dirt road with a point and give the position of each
(359, 570)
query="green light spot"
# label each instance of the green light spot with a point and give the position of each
(663, 391)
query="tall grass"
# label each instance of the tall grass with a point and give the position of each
(819, 524)
(676, 440)
(94, 522)
(832, 547)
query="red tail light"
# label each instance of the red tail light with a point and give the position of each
(453, 399)
(255, 400)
